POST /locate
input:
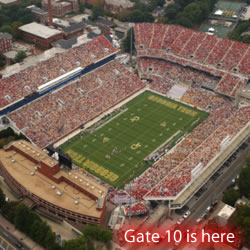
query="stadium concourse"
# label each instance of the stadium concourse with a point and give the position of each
(207, 71)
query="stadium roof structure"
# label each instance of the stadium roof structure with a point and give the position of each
(39, 30)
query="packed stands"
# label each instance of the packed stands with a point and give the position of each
(135, 209)
(219, 57)
(171, 160)
(176, 179)
(174, 72)
(167, 55)
(196, 60)
(27, 81)
(43, 121)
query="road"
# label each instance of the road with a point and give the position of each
(11, 239)
(215, 190)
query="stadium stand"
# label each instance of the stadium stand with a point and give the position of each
(196, 60)
(169, 56)
(27, 81)
(43, 121)
(223, 58)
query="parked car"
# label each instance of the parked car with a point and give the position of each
(180, 221)
(186, 215)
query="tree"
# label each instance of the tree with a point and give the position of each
(16, 32)
(6, 28)
(106, 236)
(9, 211)
(97, 233)
(231, 196)
(244, 180)
(171, 11)
(22, 218)
(184, 21)
(77, 244)
(241, 219)
(50, 239)
(2, 62)
(20, 56)
(81, 8)
(2, 199)
(192, 12)
(97, 11)
(35, 230)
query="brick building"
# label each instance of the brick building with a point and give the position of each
(60, 8)
(5, 42)
(40, 34)
(61, 194)
(39, 14)
(93, 2)
(116, 6)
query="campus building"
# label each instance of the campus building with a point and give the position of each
(115, 6)
(54, 191)
(60, 8)
(40, 34)
(5, 42)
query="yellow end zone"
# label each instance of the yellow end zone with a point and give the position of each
(88, 164)
(172, 105)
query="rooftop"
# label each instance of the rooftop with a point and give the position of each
(35, 153)
(5, 35)
(63, 195)
(38, 11)
(226, 211)
(122, 3)
(39, 30)
(8, 1)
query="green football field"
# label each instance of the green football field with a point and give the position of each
(116, 150)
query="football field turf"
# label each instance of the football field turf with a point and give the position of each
(115, 151)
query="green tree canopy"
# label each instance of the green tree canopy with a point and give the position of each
(2, 199)
(244, 180)
(20, 56)
(97, 11)
(231, 196)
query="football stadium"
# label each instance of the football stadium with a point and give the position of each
(164, 132)
(115, 152)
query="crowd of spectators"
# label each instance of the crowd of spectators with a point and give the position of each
(217, 56)
(27, 81)
(58, 113)
(195, 59)
(176, 179)
(173, 170)
(135, 209)
(175, 73)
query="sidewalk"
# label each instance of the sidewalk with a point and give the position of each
(20, 236)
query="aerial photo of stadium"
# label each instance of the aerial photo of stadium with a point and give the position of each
(163, 131)
(115, 152)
